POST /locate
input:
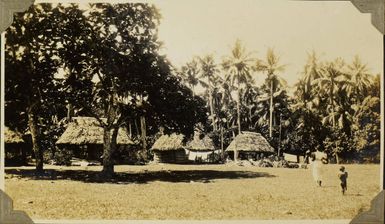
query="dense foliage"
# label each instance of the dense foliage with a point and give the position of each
(335, 106)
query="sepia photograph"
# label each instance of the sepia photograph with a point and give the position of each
(192, 110)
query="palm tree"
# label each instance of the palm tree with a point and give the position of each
(208, 71)
(328, 84)
(357, 80)
(305, 88)
(189, 73)
(271, 66)
(238, 65)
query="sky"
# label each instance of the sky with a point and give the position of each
(333, 29)
(292, 28)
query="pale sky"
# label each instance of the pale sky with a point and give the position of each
(293, 28)
(332, 28)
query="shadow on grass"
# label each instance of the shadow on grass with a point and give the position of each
(177, 176)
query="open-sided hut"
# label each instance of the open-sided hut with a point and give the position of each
(250, 145)
(201, 149)
(84, 136)
(170, 149)
(14, 144)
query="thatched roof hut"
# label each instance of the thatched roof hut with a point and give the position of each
(201, 144)
(12, 137)
(170, 149)
(87, 130)
(169, 143)
(250, 142)
(202, 150)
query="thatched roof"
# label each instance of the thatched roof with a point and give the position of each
(204, 144)
(250, 142)
(11, 136)
(169, 142)
(87, 130)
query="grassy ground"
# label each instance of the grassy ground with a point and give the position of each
(191, 192)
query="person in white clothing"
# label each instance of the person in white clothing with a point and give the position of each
(318, 159)
(316, 166)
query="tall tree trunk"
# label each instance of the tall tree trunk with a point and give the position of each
(130, 129)
(109, 147)
(136, 128)
(35, 134)
(211, 105)
(69, 112)
(332, 103)
(333, 115)
(271, 110)
(280, 135)
(212, 112)
(337, 159)
(143, 133)
(238, 115)
(193, 90)
(222, 149)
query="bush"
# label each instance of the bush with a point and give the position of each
(62, 157)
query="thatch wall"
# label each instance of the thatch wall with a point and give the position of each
(172, 156)
(170, 149)
(12, 137)
(87, 131)
(250, 142)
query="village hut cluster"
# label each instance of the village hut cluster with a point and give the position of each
(83, 137)
(175, 148)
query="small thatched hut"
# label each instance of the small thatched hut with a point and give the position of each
(202, 149)
(15, 148)
(250, 145)
(84, 136)
(12, 137)
(170, 149)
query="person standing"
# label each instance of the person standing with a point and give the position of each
(343, 176)
(318, 160)
(316, 169)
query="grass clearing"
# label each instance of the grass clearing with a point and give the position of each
(191, 192)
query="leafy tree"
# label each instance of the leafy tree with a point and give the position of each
(366, 127)
(31, 92)
(127, 78)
